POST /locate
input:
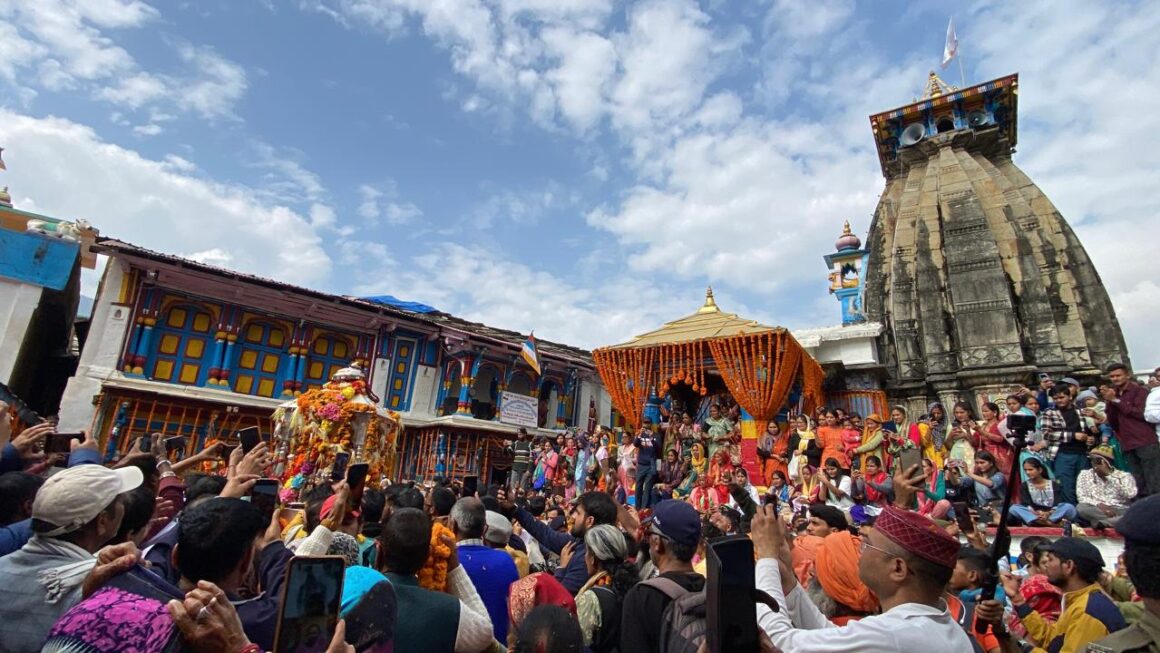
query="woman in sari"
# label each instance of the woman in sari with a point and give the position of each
(698, 470)
(545, 468)
(932, 502)
(772, 451)
(803, 446)
(830, 440)
(993, 441)
(960, 441)
(904, 426)
(896, 443)
(721, 474)
(872, 440)
(627, 467)
(530, 592)
(934, 439)
(719, 430)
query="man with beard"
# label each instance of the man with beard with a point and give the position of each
(590, 509)
(1073, 565)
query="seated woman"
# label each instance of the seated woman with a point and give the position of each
(670, 475)
(932, 502)
(721, 474)
(698, 469)
(835, 487)
(873, 487)
(1041, 498)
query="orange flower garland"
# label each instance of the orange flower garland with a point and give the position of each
(326, 414)
(433, 575)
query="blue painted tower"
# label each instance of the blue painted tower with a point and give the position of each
(846, 266)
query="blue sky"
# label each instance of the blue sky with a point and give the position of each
(581, 167)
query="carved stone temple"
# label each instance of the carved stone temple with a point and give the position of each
(974, 274)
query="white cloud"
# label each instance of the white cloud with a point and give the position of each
(150, 129)
(158, 204)
(69, 44)
(383, 201)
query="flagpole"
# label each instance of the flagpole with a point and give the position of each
(962, 75)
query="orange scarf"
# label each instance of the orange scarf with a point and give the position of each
(837, 570)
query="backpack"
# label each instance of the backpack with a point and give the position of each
(607, 638)
(683, 627)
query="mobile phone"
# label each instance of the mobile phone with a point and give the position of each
(909, 458)
(264, 496)
(61, 442)
(470, 486)
(144, 443)
(729, 596)
(338, 469)
(175, 443)
(311, 597)
(1068, 528)
(225, 450)
(356, 478)
(770, 499)
(249, 438)
(963, 517)
(371, 621)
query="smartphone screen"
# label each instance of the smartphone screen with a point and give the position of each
(356, 478)
(249, 437)
(338, 469)
(144, 443)
(909, 458)
(729, 604)
(61, 442)
(963, 517)
(470, 485)
(226, 450)
(311, 597)
(175, 443)
(264, 496)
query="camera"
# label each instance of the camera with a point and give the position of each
(1021, 423)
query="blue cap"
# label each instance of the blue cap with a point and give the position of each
(677, 521)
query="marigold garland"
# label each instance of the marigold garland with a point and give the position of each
(433, 575)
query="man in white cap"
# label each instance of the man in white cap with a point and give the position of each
(498, 535)
(75, 513)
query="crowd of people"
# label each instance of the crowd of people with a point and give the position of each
(868, 532)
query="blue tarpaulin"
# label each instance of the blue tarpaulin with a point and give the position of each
(37, 259)
(395, 302)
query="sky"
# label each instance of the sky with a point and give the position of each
(583, 168)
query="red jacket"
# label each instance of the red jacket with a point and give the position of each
(1127, 417)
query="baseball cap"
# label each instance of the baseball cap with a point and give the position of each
(499, 529)
(1070, 381)
(74, 497)
(677, 521)
(1074, 548)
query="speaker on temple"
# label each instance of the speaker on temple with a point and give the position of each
(913, 133)
(978, 119)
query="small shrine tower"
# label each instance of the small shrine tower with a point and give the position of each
(846, 265)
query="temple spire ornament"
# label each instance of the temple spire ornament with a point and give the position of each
(710, 303)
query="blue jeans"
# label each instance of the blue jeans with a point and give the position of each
(1058, 513)
(646, 477)
(1067, 466)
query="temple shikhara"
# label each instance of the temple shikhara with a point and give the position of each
(969, 281)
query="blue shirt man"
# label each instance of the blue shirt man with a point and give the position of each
(492, 571)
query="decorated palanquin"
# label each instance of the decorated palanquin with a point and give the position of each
(342, 416)
(711, 352)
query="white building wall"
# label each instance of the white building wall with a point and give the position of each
(109, 325)
(18, 301)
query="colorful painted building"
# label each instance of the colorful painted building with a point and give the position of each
(189, 349)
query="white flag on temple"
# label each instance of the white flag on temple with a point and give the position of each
(952, 46)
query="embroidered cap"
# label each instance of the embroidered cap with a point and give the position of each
(74, 497)
(918, 535)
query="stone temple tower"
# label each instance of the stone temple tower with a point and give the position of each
(976, 276)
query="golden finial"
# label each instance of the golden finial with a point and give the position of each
(935, 87)
(710, 304)
(846, 229)
(5, 198)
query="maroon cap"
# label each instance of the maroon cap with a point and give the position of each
(918, 535)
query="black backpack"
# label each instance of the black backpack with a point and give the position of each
(607, 638)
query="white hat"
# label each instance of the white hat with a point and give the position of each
(499, 529)
(74, 497)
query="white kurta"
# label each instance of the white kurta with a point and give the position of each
(800, 626)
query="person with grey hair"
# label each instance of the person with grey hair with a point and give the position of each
(492, 571)
(598, 603)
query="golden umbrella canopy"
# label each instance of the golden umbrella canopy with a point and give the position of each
(758, 363)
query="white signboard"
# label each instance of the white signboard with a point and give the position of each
(520, 410)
